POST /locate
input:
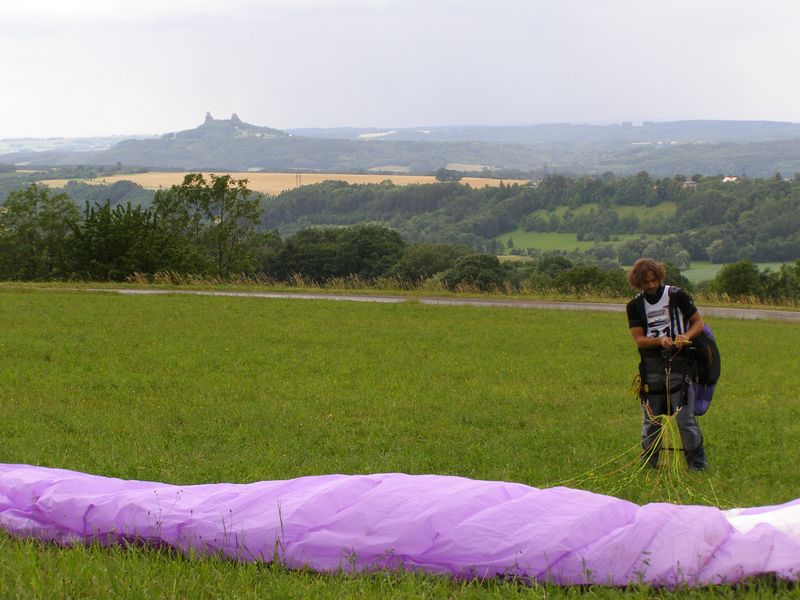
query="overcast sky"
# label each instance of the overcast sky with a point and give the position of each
(100, 67)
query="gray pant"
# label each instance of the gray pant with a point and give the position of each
(670, 393)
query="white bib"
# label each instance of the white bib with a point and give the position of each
(658, 318)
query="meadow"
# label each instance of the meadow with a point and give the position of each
(705, 271)
(189, 389)
(549, 241)
(275, 183)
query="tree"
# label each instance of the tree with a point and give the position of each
(113, 243)
(310, 252)
(447, 175)
(737, 279)
(551, 266)
(35, 231)
(233, 213)
(674, 277)
(368, 251)
(180, 216)
(483, 271)
(269, 249)
(723, 250)
(555, 189)
(580, 278)
(636, 191)
(783, 284)
(422, 261)
(215, 220)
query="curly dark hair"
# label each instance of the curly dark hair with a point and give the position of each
(641, 268)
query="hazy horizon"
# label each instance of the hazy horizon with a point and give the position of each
(84, 68)
(378, 127)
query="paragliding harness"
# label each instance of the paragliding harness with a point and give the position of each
(706, 369)
(704, 363)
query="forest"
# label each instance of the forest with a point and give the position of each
(705, 218)
(218, 228)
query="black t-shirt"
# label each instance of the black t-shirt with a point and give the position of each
(678, 298)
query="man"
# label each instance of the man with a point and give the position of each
(663, 320)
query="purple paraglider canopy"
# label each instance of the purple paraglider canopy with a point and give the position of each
(449, 525)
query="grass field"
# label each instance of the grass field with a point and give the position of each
(188, 389)
(569, 241)
(275, 183)
(705, 271)
(698, 271)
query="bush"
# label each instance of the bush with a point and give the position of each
(422, 261)
(737, 279)
(368, 251)
(482, 271)
(590, 278)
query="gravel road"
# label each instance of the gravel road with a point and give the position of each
(729, 313)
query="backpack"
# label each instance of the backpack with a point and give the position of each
(705, 362)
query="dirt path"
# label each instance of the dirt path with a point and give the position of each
(729, 313)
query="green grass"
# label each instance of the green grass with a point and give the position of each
(202, 389)
(700, 271)
(548, 241)
(31, 570)
(551, 240)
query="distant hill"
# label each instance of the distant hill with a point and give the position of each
(670, 132)
(752, 148)
(231, 144)
(61, 144)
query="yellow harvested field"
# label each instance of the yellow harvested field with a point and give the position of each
(275, 183)
(466, 167)
(390, 169)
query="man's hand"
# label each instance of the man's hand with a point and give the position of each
(666, 342)
(682, 340)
